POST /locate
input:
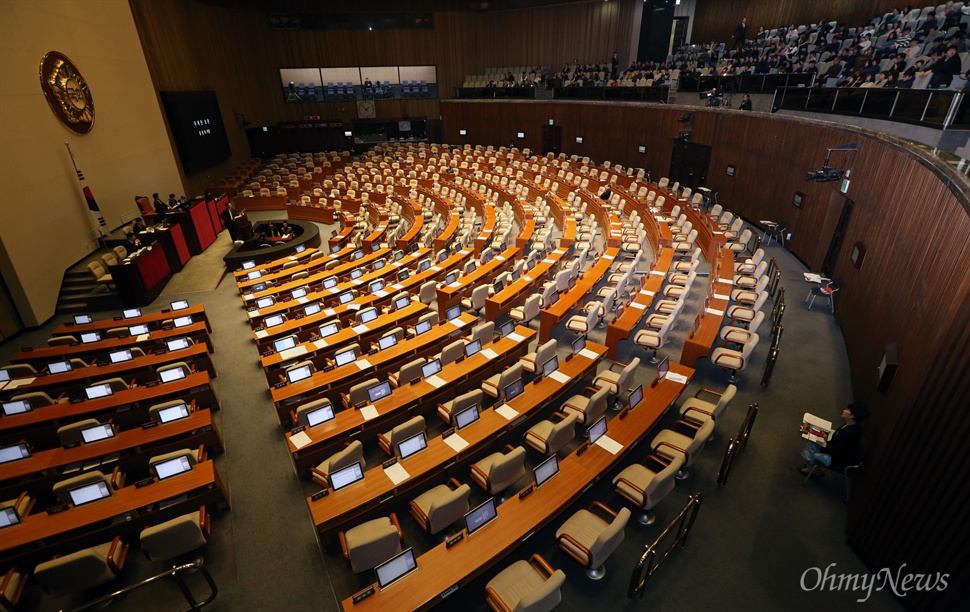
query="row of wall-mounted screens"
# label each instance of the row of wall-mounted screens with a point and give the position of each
(358, 83)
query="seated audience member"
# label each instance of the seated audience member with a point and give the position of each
(159, 206)
(173, 203)
(131, 243)
(138, 226)
(843, 448)
(944, 70)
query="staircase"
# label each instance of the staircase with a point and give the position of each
(81, 293)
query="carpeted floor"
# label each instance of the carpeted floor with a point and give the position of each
(749, 548)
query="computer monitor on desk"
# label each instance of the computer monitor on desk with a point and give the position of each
(320, 415)
(513, 390)
(97, 433)
(83, 319)
(15, 452)
(172, 467)
(395, 568)
(597, 429)
(98, 391)
(284, 344)
(415, 444)
(347, 476)
(180, 304)
(177, 344)
(265, 302)
(480, 516)
(9, 516)
(466, 417)
(89, 337)
(297, 374)
(131, 313)
(59, 367)
(89, 493)
(378, 391)
(173, 413)
(546, 470)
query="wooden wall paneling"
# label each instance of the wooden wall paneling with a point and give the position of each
(716, 19)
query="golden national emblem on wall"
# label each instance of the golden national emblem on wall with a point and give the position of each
(67, 92)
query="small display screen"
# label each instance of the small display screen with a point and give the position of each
(597, 429)
(183, 321)
(453, 313)
(346, 476)
(329, 329)
(412, 445)
(479, 517)
(98, 432)
(431, 368)
(255, 274)
(89, 337)
(89, 493)
(177, 344)
(346, 296)
(172, 467)
(8, 517)
(16, 407)
(422, 327)
(550, 366)
(467, 416)
(402, 302)
(579, 344)
(299, 292)
(180, 304)
(273, 321)
(59, 367)
(329, 283)
(131, 313)
(546, 470)
(345, 357)
(14, 453)
(355, 274)
(636, 396)
(395, 568)
(312, 309)
(473, 347)
(513, 390)
(98, 391)
(298, 374)
(171, 374)
(368, 315)
(249, 265)
(387, 342)
(265, 302)
(284, 344)
(173, 413)
(379, 391)
(663, 368)
(137, 330)
(507, 328)
(320, 415)
(83, 319)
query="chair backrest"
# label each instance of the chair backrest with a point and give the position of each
(175, 537)
(725, 400)
(624, 381)
(303, 410)
(353, 453)
(762, 298)
(479, 295)
(562, 433)
(545, 597)
(663, 483)
(483, 331)
(61, 488)
(410, 370)
(530, 309)
(452, 352)
(749, 347)
(514, 372)
(18, 370)
(83, 569)
(428, 292)
(71, 433)
(358, 392)
(404, 431)
(61, 341)
(701, 436)
(545, 352)
(609, 539)
(507, 469)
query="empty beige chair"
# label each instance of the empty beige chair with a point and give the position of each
(115, 481)
(591, 539)
(11, 588)
(532, 362)
(177, 536)
(495, 385)
(22, 370)
(525, 586)
(733, 360)
(358, 393)
(83, 569)
(441, 507)
(548, 436)
(477, 300)
(448, 410)
(451, 352)
(671, 443)
(528, 311)
(194, 456)
(71, 433)
(299, 416)
(583, 324)
(389, 440)
(645, 485)
(588, 408)
(615, 381)
(428, 292)
(61, 341)
(109, 259)
(654, 339)
(499, 471)
(407, 373)
(697, 409)
(739, 335)
(747, 313)
(368, 545)
(38, 399)
(121, 252)
(483, 331)
(351, 454)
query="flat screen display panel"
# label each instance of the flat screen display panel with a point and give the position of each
(172, 467)
(636, 396)
(182, 321)
(597, 429)
(395, 568)
(15, 452)
(412, 445)
(478, 517)
(8, 517)
(320, 415)
(98, 391)
(273, 321)
(329, 329)
(16, 407)
(550, 366)
(297, 374)
(83, 319)
(467, 416)
(89, 337)
(131, 313)
(431, 368)
(97, 432)
(346, 476)
(173, 413)
(345, 357)
(473, 347)
(59, 367)
(137, 330)
(513, 390)
(89, 493)
(379, 391)
(177, 344)
(546, 470)
(387, 342)
(284, 344)
(299, 292)
(172, 374)
(265, 302)
(179, 304)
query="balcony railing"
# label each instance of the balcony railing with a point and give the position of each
(933, 108)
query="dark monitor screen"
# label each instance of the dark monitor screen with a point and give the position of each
(550, 366)
(297, 374)
(402, 276)
(498, 286)
(320, 415)
(333, 233)
(452, 277)
(59, 367)
(467, 416)
(597, 429)
(97, 432)
(480, 516)
(379, 391)
(663, 368)
(398, 255)
(636, 396)
(259, 287)
(546, 470)
(346, 476)
(131, 313)
(173, 413)
(515, 275)
(284, 343)
(395, 568)
(412, 445)
(88, 493)
(196, 123)
(414, 248)
(513, 390)
(473, 347)
(172, 467)
(572, 282)
(15, 452)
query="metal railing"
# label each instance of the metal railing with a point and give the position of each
(502, 93)
(745, 83)
(736, 445)
(659, 94)
(176, 572)
(648, 564)
(772, 355)
(935, 108)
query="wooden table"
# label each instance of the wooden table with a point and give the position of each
(552, 316)
(152, 319)
(698, 344)
(516, 292)
(621, 327)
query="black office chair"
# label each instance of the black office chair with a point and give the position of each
(863, 448)
(776, 232)
(825, 290)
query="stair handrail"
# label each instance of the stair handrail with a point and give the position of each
(737, 444)
(176, 572)
(648, 564)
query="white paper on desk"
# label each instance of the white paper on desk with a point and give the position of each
(329, 312)
(253, 313)
(716, 313)
(455, 284)
(657, 273)
(296, 351)
(292, 258)
(527, 278)
(397, 473)
(677, 378)
(396, 264)
(464, 252)
(302, 300)
(334, 290)
(360, 329)
(248, 296)
(458, 322)
(812, 278)
(515, 337)
(608, 444)
(262, 333)
(548, 261)
(319, 344)
(363, 364)
(588, 354)
(397, 287)
(647, 293)
(608, 257)
(353, 306)
(300, 440)
(507, 411)
(381, 293)
(559, 377)
(435, 381)
(19, 382)
(500, 258)
(435, 269)
(456, 442)
(721, 296)
(726, 281)
(142, 337)
(638, 305)
(489, 354)
(369, 412)
(357, 282)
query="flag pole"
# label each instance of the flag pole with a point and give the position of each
(92, 204)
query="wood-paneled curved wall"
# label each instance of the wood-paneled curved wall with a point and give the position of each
(913, 290)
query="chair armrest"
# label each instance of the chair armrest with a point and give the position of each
(320, 477)
(116, 567)
(568, 538)
(541, 566)
(345, 399)
(494, 601)
(201, 454)
(482, 475)
(205, 521)
(676, 448)
(710, 391)
(602, 507)
(384, 443)
(689, 423)
(343, 546)
(559, 416)
(117, 478)
(420, 516)
(632, 486)
(617, 363)
(697, 410)
(508, 449)
(661, 461)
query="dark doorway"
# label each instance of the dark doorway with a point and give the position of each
(832, 256)
(680, 31)
(552, 139)
(655, 25)
(688, 164)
